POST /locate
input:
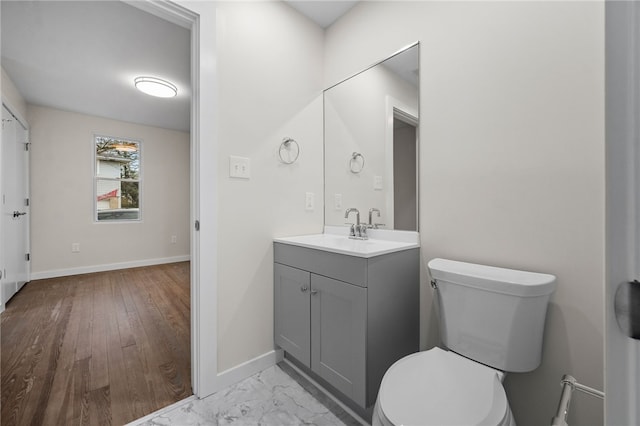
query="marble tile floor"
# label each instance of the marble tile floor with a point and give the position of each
(277, 396)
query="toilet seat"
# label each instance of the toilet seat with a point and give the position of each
(438, 387)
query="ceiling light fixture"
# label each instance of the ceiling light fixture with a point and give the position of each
(156, 87)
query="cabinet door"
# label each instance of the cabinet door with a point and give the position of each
(291, 311)
(338, 329)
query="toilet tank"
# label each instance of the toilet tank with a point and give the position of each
(492, 315)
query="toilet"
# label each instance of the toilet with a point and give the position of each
(491, 322)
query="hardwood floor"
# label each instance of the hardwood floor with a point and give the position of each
(103, 348)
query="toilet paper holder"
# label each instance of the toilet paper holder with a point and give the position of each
(627, 308)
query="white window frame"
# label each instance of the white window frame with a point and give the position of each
(96, 178)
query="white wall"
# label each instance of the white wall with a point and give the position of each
(62, 195)
(512, 160)
(270, 82)
(11, 94)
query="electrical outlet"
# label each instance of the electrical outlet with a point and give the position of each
(174, 239)
(75, 247)
(310, 201)
(239, 167)
(337, 201)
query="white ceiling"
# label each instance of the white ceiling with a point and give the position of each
(82, 56)
(323, 13)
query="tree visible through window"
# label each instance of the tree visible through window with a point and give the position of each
(117, 179)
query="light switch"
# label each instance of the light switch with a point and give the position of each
(239, 167)
(337, 201)
(377, 182)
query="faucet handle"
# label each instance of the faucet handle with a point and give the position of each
(362, 231)
(377, 225)
(352, 229)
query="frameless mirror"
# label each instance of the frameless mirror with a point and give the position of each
(371, 144)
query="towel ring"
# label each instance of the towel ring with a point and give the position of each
(356, 162)
(287, 147)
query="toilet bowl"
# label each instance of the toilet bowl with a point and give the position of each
(491, 320)
(440, 388)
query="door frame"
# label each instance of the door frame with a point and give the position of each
(396, 109)
(200, 19)
(23, 122)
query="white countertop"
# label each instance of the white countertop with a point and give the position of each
(335, 240)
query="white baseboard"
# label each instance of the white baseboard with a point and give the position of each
(106, 267)
(248, 369)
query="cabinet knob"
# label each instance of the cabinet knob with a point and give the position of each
(303, 288)
(314, 292)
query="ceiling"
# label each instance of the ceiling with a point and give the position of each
(82, 56)
(323, 13)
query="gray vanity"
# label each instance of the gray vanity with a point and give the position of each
(346, 310)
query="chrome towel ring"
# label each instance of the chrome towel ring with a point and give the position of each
(289, 151)
(356, 162)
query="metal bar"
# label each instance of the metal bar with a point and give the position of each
(569, 384)
(589, 391)
(562, 412)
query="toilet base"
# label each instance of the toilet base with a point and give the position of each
(376, 419)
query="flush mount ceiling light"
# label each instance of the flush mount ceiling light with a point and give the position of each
(156, 87)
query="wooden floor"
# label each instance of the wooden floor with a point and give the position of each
(103, 348)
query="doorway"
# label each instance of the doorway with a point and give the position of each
(405, 168)
(192, 217)
(401, 164)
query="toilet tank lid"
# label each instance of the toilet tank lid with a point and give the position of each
(499, 280)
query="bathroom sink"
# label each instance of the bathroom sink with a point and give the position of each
(379, 243)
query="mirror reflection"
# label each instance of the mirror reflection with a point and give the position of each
(371, 145)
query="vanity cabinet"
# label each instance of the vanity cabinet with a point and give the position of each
(346, 318)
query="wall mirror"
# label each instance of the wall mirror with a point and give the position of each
(371, 144)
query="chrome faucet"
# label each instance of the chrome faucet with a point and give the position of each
(358, 230)
(371, 224)
(371, 210)
(353, 209)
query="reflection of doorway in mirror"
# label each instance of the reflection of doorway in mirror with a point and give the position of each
(401, 153)
(405, 206)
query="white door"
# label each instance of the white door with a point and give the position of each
(14, 226)
(622, 356)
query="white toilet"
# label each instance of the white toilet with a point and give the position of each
(491, 321)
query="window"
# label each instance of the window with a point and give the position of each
(117, 179)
